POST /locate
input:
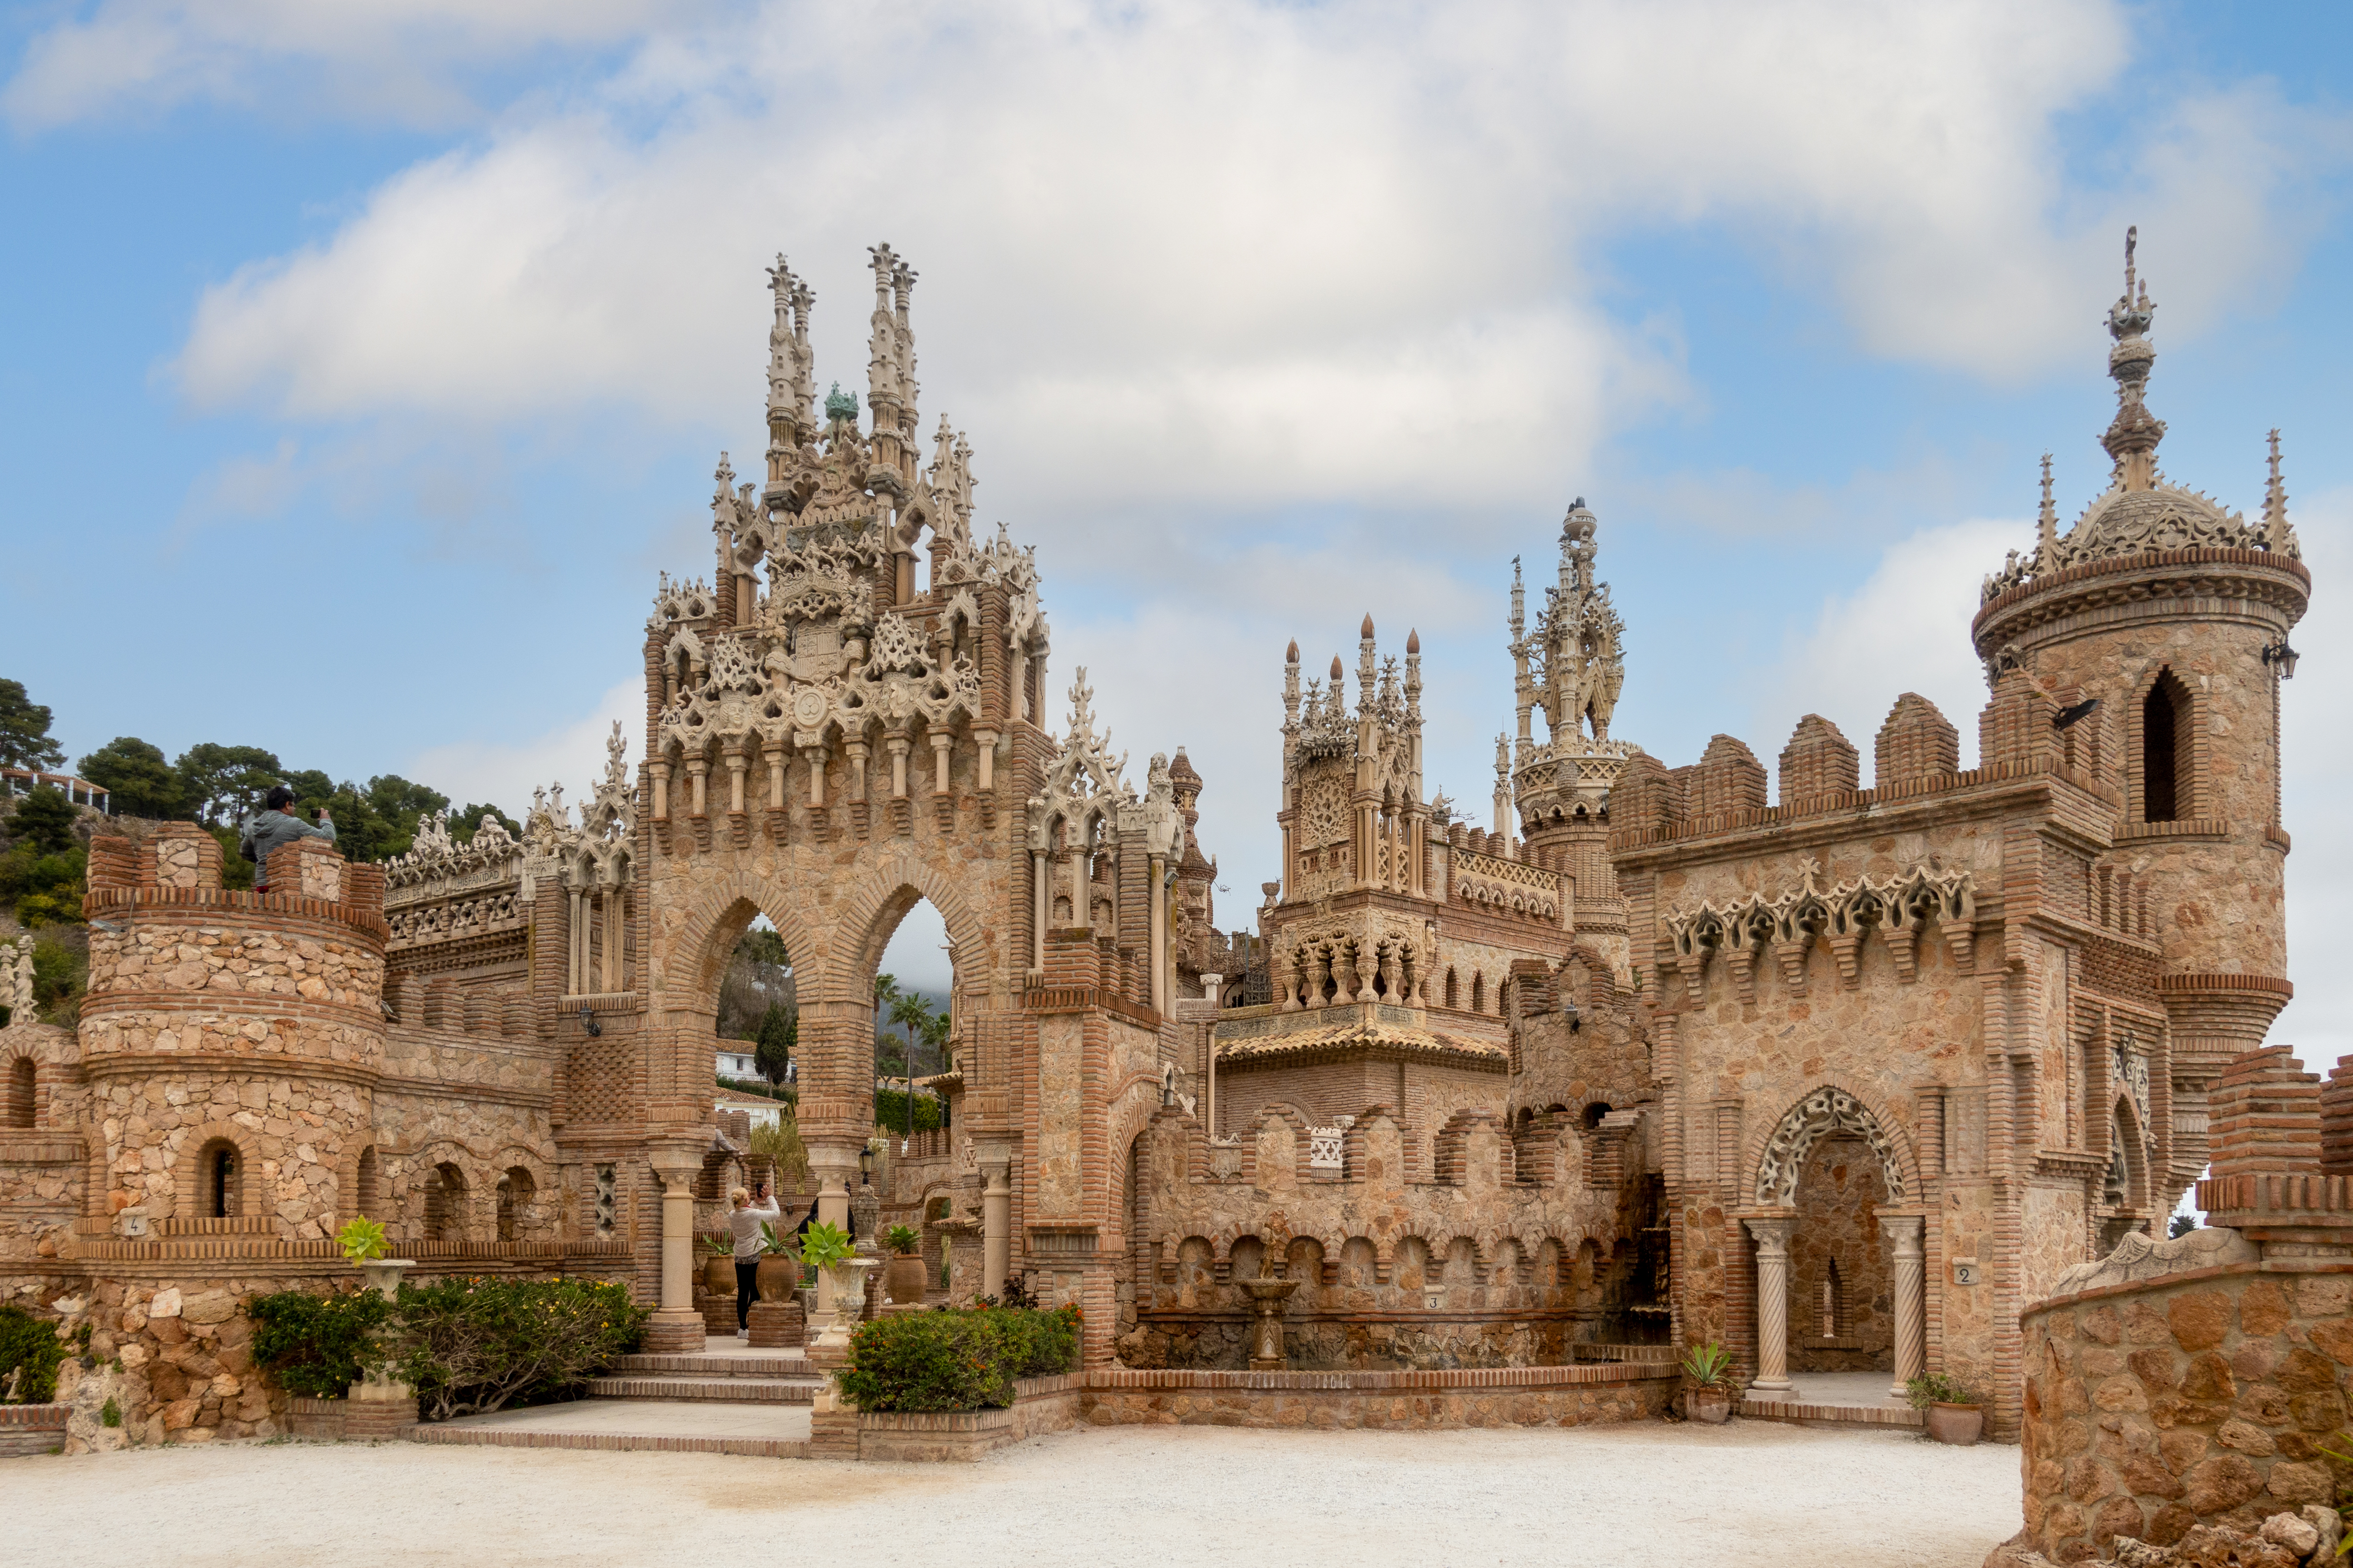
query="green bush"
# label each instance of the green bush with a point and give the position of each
(31, 1353)
(929, 1361)
(891, 1110)
(476, 1344)
(318, 1346)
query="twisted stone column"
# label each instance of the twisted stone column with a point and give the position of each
(1911, 1318)
(1772, 1304)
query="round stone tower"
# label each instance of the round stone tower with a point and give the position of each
(232, 1041)
(2174, 612)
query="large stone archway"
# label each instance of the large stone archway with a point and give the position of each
(1827, 1111)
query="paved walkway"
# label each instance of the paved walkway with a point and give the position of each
(1752, 1492)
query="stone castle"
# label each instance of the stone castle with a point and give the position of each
(1843, 1077)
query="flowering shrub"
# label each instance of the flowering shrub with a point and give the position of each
(920, 1362)
(476, 1344)
(318, 1346)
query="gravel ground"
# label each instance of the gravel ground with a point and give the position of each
(1751, 1492)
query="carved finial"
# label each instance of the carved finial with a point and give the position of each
(2132, 439)
(2277, 534)
(1364, 633)
(2046, 526)
(1337, 674)
(1290, 654)
(1413, 638)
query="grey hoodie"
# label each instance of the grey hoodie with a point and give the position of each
(266, 830)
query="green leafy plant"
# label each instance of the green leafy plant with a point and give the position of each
(318, 1346)
(475, 1344)
(1706, 1364)
(825, 1246)
(362, 1241)
(771, 1243)
(30, 1355)
(1936, 1388)
(952, 1359)
(903, 1239)
(109, 1414)
(720, 1244)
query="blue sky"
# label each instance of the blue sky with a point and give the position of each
(363, 366)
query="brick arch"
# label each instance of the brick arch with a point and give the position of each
(187, 1169)
(2190, 758)
(1805, 1124)
(727, 907)
(875, 905)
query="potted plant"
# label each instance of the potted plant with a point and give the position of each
(903, 1279)
(1955, 1414)
(1709, 1397)
(779, 1273)
(825, 1248)
(719, 1264)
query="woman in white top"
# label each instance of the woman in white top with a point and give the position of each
(749, 1245)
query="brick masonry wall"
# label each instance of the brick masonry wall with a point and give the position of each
(2194, 1397)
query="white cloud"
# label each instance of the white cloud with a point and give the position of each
(1235, 254)
(1907, 628)
(400, 60)
(504, 772)
(2316, 747)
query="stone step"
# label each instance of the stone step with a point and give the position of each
(636, 1425)
(1807, 1412)
(736, 1362)
(744, 1390)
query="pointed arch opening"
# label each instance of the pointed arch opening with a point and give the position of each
(915, 1034)
(2166, 745)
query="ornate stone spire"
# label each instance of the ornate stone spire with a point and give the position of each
(791, 389)
(2132, 438)
(2046, 526)
(2278, 533)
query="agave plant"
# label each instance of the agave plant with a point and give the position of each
(903, 1239)
(362, 1241)
(1706, 1364)
(825, 1246)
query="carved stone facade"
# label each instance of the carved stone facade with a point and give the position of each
(1844, 1080)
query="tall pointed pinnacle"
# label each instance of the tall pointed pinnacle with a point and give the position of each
(1368, 667)
(791, 390)
(883, 393)
(2278, 535)
(2046, 523)
(2131, 440)
(902, 288)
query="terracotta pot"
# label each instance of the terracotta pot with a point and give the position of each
(719, 1275)
(903, 1279)
(1959, 1425)
(779, 1276)
(1709, 1404)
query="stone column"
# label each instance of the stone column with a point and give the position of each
(987, 740)
(941, 741)
(833, 1167)
(996, 1220)
(676, 1325)
(1772, 1304)
(1157, 901)
(1911, 1321)
(1041, 896)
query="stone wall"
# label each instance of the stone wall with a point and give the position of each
(2201, 1396)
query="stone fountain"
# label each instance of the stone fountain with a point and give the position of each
(1267, 1295)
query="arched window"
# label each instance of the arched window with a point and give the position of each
(1478, 994)
(516, 1190)
(21, 1102)
(1450, 999)
(1830, 1305)
(219, 1178)
(445, 1204)
(2165, 751)
(367, 1185)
